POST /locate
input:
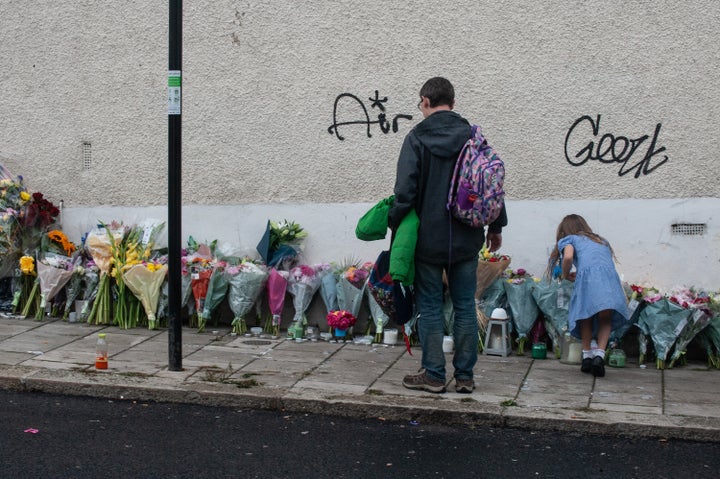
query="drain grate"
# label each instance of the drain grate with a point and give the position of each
(257, 342)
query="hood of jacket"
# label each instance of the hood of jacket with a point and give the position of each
(444, 133)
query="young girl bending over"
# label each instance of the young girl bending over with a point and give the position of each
(598, 303)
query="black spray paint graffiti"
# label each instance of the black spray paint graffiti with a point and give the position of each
(377, 102)
(613, 149)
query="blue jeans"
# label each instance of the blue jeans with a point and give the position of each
(431, 325)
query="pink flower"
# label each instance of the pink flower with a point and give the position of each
(340, 319)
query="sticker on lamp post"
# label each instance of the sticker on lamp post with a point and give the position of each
(174, 92)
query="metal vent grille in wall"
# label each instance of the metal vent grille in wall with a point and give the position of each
(86, 155)
(689, 229)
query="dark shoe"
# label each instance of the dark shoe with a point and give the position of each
(464, 386)
(423, 382)
(586, 366)
(598, 367)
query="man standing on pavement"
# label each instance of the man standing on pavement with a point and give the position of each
(424, 172)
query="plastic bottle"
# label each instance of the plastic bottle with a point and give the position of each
(101, 352)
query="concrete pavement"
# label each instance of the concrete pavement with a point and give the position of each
(362, 380)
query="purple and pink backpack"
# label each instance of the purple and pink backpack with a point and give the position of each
(476, 193)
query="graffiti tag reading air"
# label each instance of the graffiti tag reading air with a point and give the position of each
(357, 107)
(612, 149)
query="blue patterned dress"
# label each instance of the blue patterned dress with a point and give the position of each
(597, 284)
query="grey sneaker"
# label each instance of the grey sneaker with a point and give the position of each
(423, 382)
(464, 386)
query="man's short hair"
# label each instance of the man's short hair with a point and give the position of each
(439, 91)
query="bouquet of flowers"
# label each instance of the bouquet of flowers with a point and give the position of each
(340, 321)
(135, 248)
(490, 267)
(24, 218)
(518, 288)
(100, 244)
(709, 338)
(351, 287)
(199, 266)
(662, 320)
(699, 303)
(145, 280)
(25, 295)
(73, 288)
(379, 317)
(13, 201)
(247, 281)
(276, 289)
(552, 297)
(53, 273)
(91, 282)
(328, 286)
(216, 292)
(281, 244)
(303, 283)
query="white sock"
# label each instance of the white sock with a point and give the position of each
(598, 352)
(587, 354)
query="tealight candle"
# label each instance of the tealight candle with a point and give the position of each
(575, 353)
(448, 344)
(390, 336)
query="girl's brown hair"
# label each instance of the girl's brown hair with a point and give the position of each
(573, 225)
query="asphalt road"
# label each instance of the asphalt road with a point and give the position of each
(69, 437)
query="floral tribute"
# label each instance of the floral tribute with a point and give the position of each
(303, 283)
(341, 319)
(519, 287)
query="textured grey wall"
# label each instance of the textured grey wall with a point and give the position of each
(261, 79)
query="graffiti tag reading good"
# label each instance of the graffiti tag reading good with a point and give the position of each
(361, 110)
(613, 149)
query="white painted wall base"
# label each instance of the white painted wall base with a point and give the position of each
(640, 232)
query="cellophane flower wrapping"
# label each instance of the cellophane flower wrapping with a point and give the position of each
(351, 287)
(663, 321)
(699, 302)
(709, 339)
(99, 244)
(199, 267)
(25, 284)
(13, 201)
(524, 310)
(285, 246)
(328, 287)
(24, 219)
(199, 284)
(490, 267)
(493, 297)
(145, 281)
(53, 274)
(379, 317)
(216, 293)
(276, 289)
(246, 283)
(91, 284)
(303, 283)
(552, 297)
(73, 288)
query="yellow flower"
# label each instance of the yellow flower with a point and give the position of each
(24, 196)
(27, 265)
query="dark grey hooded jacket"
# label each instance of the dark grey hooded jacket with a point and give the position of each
(438, 139)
